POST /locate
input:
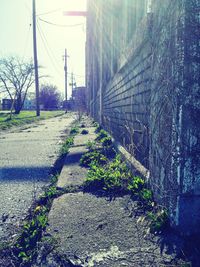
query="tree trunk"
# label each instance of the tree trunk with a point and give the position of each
(18, 104)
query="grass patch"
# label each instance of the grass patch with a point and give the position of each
(25, 117)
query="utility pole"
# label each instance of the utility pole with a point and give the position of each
(35, 62)
(73, 83)
(65, 70)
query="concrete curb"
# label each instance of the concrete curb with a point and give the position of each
(72, 173)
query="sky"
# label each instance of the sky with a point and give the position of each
(55, 32)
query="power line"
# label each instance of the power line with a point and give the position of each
(27, 7)
(26, 41)
(45, 43)
(50, 12)
(51, 55)
(61, 25)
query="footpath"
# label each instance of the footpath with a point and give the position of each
(92, 229)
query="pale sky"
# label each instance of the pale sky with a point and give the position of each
(16, 36)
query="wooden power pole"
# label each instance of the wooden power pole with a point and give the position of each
(65, 69)
(73, 83)
(35, 62)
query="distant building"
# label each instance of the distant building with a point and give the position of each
(79, 98)
(6, 104)
(29, 104)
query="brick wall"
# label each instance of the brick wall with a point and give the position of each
(143, 86)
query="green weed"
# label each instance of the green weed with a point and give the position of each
(31, 234)
(102, 134)
(54, 178)
(146, 195)
(84, 131)
(110, 177)
(51, 192)
(98, 128)
(94, 157)
(65, 147)
(74, 131)
(158, 220)
(91, 145)
(95, 124)
(136, 184)
(106, 141)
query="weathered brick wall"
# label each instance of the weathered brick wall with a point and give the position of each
(145, 91)
(120, 86)
(174, 108)
(126, 104)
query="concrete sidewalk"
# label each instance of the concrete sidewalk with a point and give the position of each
(93, 230)
(26, 159)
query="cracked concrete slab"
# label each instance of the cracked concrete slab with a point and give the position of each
(97, 231)
(72, 173)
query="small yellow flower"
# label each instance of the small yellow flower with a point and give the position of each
(38, 208)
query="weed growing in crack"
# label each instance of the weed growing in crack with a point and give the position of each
(111, 176)
(95, 124)
(32, 230)
(102, 134)
(74, 131)
(135, 185)
(67, 144)
(91, 145)
(98, 128)
(31, 234)
(108, 172)
(106, 141)
(158, 220)
(94, 158)
(147, 196)
(54, 178)
(84, 131)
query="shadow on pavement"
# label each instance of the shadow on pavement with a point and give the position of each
(24, 174)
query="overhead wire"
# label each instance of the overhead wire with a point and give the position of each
(27, 7)
(51, 54)
(48, 50)
(26, 42)
(61, 25)
(50, 12)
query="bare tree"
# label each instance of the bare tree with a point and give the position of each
(16, 77)
(50, 96)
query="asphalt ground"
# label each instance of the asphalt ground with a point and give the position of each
(26, 158)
